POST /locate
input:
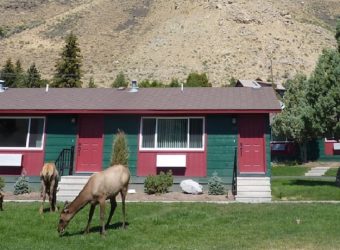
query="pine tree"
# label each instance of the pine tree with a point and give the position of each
(19, 75)
(120, 153)
(337, 34)
(120, 81)
(215, 185)
(21, 186)
(91, 83)
(8, 73)
(68, 68)
(33, 79)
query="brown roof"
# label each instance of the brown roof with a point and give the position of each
(146, 99)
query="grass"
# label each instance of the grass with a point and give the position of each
(331, 172)
(179, 226)
(289, 170)
(305, 189)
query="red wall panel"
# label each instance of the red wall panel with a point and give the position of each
(196, 163)
(32, 163)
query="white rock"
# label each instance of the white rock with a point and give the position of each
(191, 187)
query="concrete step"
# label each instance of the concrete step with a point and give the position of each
(265, 188)
(317, 171)
(253, 189)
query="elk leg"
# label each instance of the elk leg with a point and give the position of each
(43, 195)
(102, 215)
(87, 229)
(123, 194)
(112, 211)
(51, 195)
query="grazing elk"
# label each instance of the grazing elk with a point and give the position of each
(49, 184)
(1, 200)
(100, 187)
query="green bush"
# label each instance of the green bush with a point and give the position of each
(21, 186)
(215, 185)
(158, 184)
(2, 183)
(120, 151)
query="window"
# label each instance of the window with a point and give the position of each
(172, 133)
(22, 133)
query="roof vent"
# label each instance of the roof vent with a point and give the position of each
(134, 86)
(256, 85)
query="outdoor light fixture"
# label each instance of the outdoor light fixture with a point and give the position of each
(233, 120)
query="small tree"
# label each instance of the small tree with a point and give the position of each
(215, 185)
(120, 81)
(91, 83)
(120, 153)
(21, 186)
(68, 68)
(2, 183)
(33, 79)
(174, 83)
(8, 73)
(197, 80)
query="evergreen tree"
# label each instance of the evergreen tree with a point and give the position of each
(33, 79)
(215, 185)
(120, 152)
(19, 75)
(68, 68)
(337, 34)
(197, 80)
(120, 81)
(8, 73)
(21, 186)
(91, 83)
(174, 83)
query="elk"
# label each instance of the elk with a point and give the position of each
(1, 200)
(100, 187)
(49, 184)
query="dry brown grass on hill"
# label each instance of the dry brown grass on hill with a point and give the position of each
(169, 39)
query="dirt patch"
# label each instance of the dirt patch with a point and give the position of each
(171, 196)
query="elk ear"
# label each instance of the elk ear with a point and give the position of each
(66, 204)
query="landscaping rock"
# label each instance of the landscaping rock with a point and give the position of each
(191, 187)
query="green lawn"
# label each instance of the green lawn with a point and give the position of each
(179, 226)
(305, 189)
(289, 170)
(331, 172)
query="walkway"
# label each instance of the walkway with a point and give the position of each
(317, 171)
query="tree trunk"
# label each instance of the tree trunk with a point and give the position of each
(303, 152)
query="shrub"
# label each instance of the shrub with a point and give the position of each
(120, 152)
(197, 80)
(21, 186)
(120, 81)
(2, 183)
(158, 184)
(215, 185)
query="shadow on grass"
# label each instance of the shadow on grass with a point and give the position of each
(311, 183)
(97, 229)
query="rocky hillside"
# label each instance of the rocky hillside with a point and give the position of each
(164, 39)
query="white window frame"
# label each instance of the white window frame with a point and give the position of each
(331, 140)
(171, 149)
(28, 133)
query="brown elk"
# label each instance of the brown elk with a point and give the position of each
(100, 187)
(49, 184)
(1, 200)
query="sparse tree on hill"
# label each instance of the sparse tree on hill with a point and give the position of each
(337, 34)
(91, 83)
(120, 81)
(68, 68)
(33, 79)
(197, 80)
(174, 83)
(8, 73)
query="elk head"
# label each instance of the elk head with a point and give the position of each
(65, 217)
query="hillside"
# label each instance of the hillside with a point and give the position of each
(159, 39)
